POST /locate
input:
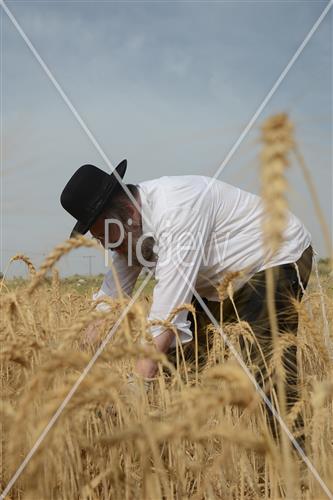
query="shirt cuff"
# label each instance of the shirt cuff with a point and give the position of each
(101, 306)
(185, 334)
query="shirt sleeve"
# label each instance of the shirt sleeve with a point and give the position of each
(181, 242)
(127, 276)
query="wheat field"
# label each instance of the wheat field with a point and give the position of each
(193, 433)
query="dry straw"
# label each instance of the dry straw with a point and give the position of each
(26, 260)
(18, 257)
(178, 440)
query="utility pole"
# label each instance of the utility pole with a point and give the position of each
(89, 257)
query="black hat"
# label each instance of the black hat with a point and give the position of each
(87, 193)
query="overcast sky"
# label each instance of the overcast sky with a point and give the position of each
(167, 85)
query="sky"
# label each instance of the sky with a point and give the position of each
(168, 85)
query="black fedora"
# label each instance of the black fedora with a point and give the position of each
(88, 192)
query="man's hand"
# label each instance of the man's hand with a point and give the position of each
(146, 367)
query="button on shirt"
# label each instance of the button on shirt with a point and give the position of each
(202, 230)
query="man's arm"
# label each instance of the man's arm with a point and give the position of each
(127, 276)
(179, 259)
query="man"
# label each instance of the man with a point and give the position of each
(192, 232)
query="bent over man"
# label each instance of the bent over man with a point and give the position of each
(192, 231)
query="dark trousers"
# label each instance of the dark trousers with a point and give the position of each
(251, 304)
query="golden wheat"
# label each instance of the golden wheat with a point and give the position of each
(180, 438)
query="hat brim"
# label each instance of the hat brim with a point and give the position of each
(114, 183)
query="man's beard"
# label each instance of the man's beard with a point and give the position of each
(142, 248)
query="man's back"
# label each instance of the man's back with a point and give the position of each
(234, 217)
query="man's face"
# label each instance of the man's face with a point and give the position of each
(116, 237)
(125, 239)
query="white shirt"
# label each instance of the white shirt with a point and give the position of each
(199, 241)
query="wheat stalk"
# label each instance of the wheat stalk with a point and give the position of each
(277, 139)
